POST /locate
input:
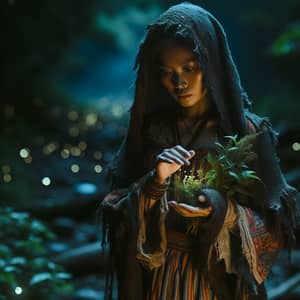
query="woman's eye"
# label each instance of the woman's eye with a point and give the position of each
(189, 69)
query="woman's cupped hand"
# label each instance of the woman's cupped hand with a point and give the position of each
(167, 163)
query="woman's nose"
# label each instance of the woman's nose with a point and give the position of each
(179, 81)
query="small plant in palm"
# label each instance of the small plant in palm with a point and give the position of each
(229, 173)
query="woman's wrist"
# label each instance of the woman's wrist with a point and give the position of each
(157, 179)
(154, 186)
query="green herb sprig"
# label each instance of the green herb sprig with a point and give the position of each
(229, 174)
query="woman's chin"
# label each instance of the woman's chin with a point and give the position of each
(185, 101)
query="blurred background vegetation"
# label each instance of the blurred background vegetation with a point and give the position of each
(66, 87)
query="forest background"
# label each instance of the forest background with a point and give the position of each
(66, 88)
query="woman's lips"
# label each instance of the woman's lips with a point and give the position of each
(184, 96)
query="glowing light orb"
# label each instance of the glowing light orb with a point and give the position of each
(24, 152)
(18, 290)
(7, 178)
(82, 146)
(46, 181)
(75, 168)
(75, 151)
(50, 148)
(91, 119)
(98, 168)
(296, 146)
(65, 153)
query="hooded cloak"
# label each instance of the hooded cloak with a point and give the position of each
(204, 33)
(193, 25)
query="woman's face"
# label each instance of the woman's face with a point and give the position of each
(180, 74)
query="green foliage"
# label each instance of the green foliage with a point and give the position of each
(25, 270)
(229, 174)
(288, 42)
(188, 188)
(229, 171)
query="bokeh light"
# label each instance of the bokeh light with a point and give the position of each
(296, 146)
(75, 151)
(18, 290)
(82, 146)
(65, 153)
(50, 148)
(7, 178)
(75, 168)
(98, 168)
(24, 152)
(91, 119)
(46, 181)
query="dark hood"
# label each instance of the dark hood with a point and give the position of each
(208, 40)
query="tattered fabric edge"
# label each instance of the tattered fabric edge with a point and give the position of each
(157, 258)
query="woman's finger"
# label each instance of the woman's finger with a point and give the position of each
(163, 158)
(184, 152)
(175, 158)
(178, 155)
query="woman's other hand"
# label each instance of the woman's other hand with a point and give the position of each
(190, 211)
(170, 160)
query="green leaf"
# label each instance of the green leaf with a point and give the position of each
(222, 157)
(210, 173)
(234, 175)
(247, 173)
(40, 277)
(211, 183)
(243, 166)
(19, 215)
(210, 158)
(288, 42)
(38, 226)
(9, 269)
(232, 138)
(18, 260)
(219, 145)
(231, 149)
(255, 178)
(63, 275)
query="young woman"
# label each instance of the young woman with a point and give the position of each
(188, 96)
